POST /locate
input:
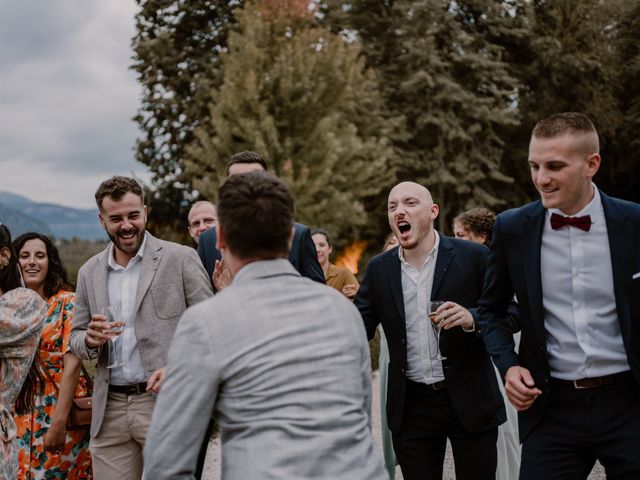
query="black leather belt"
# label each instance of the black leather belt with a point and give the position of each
(419, 386)
(594, 382)
(441, 385)
(134, 389)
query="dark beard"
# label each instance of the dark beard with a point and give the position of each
(114, 240)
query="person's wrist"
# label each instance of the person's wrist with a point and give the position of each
(469, 325)
(57, 423)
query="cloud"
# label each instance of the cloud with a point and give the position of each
(67, 98)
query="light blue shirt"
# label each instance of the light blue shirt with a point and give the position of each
(122, 287)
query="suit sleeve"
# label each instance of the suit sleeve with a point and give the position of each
(197, 286)
(364, 303)
(309, 265)
(496, 314)
(185, 402)
(80, 322)
(206, 245)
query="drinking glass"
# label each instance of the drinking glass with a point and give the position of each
(113, 315)
(433, 307)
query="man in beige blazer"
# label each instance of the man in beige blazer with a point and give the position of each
(149, 283)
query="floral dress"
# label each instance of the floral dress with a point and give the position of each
(21, 314)
(74, 461)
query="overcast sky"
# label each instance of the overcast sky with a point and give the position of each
(67, 97)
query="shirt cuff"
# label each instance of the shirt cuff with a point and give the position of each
(472, 329)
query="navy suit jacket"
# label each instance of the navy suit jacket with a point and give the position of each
(514, 267)
(471, 379)
(303, 255)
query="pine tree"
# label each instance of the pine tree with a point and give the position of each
(443, 73)
(177, 59)
(300, 96)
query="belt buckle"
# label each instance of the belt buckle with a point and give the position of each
(138, 389)
(578, 385)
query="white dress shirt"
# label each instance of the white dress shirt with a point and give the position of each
(122, 287)
(422, 365)
(581, 323)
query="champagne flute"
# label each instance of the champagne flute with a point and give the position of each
(114, 317)
(431, 310)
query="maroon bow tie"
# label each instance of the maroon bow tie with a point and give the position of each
(558, 221)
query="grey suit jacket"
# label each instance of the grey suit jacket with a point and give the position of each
(282, 363)
(171, 279)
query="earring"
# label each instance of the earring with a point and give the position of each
(4, 263)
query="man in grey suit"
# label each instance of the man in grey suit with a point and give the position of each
(280, 361)
(148, 283)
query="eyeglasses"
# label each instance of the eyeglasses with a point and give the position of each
(207, 222)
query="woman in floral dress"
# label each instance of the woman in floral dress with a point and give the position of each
(21, 314)
(47, 449)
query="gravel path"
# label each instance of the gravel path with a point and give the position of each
(212, 463)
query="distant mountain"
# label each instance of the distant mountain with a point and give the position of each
(23, 215)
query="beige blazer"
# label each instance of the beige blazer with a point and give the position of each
(171, 279)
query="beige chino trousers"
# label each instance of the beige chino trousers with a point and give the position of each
(116, 452)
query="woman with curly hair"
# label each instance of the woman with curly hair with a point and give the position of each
(21, 315)
(58, 453)
(475, 225)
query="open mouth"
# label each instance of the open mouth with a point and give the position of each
(127, 235)
(403, 227)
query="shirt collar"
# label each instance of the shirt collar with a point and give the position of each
(593, 208)
(137, 258)
(432, 253)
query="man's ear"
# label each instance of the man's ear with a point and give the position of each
(593, 164)
(220, 240)
(291, 235)
(104, 225)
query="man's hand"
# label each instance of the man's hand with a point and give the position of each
(350, 291)
(520, 388)
(221, 275)
(156, 379)
(97, 333)
(451, 315)
(54, 439)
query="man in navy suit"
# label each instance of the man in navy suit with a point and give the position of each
(430, 399)
(572, 259)
(302, 255)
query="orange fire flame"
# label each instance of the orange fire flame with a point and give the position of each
(351, 255)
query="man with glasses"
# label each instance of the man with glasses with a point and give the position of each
(202, 216)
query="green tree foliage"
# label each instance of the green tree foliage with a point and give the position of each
(626, 178)
(443, 73)
(567, 63)
(300, 96)
(177, 59)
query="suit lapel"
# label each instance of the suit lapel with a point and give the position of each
(532, 231)
(101, 285)
(150, 262)
(443, 260)
(620, 234)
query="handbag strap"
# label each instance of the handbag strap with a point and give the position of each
(83, 369)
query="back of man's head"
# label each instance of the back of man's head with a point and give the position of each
(244, 162)
(255, 213)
